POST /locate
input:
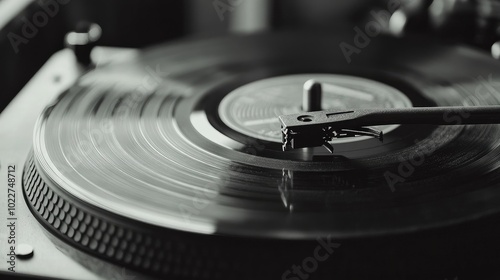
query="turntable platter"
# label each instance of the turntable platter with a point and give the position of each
(157, 144)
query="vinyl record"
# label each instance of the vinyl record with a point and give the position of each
(174, 157)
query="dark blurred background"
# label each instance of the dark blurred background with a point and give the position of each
(139, 23)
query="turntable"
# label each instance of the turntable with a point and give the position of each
(168, 162)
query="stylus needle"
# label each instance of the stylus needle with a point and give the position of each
(312, 129)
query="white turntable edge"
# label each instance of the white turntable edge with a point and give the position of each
(16, 135)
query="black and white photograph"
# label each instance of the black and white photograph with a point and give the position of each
(249, 139)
